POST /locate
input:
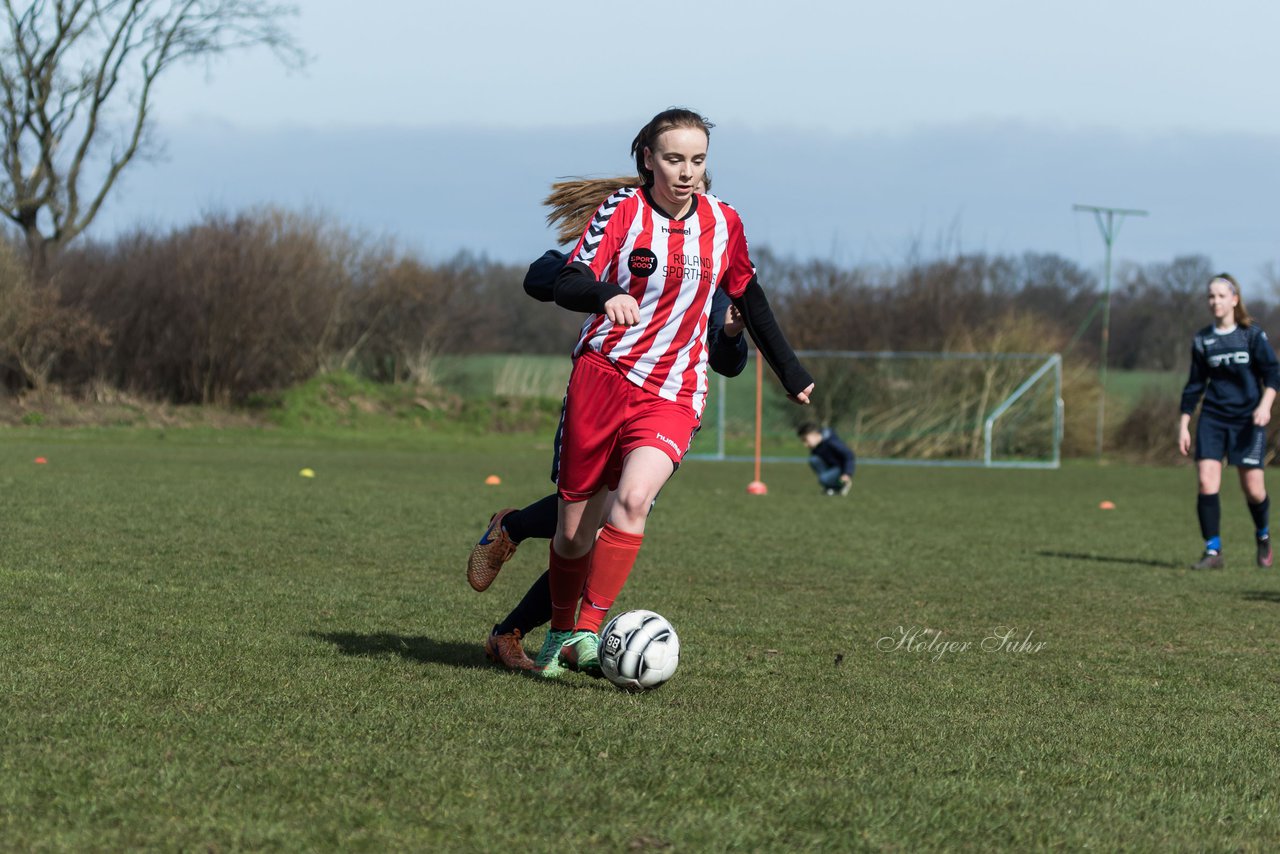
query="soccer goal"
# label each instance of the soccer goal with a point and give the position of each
(898, 408)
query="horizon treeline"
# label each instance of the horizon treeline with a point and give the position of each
(236, 306)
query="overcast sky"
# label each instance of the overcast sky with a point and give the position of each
(846, 130)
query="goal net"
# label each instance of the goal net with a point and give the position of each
(958, 409)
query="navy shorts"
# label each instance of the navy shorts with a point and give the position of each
(1243, 443)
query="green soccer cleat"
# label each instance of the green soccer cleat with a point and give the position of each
(547, 665)
(581, 653)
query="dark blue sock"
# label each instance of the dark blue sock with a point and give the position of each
(537, 521)
(1209, 511)
(1260, 513)
(534, 609)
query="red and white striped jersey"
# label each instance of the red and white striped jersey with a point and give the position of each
(671, 268)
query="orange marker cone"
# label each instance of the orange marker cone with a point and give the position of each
(492, 480)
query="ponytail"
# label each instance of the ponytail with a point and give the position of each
(573, 201)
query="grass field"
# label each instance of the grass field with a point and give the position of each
(204, 650)
(1127, 387)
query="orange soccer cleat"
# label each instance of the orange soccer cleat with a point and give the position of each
(494, 549)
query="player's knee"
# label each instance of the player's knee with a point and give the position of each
(633, 504)
(573, 542)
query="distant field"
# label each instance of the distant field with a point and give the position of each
(519, 376)
(547, 375)
(1129, 386)
(206, 651)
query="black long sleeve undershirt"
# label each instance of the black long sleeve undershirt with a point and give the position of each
(577, 289)
(764, 330)
(726, 354)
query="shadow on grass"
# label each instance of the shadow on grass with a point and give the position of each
(424, 650)
(413, 647)
(1262, 596)
(1135, 561)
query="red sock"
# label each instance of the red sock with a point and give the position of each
(566, 579)
(611, 561)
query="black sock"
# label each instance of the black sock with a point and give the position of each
(1261, 513)
(1210, 513)
(537, 521)
(533, 611)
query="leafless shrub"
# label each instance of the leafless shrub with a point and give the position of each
(413, 313)
(37, 330)
(1147, 433)
(215, 312)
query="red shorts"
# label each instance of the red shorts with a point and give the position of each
(606, 417)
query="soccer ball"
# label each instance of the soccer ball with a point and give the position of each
(639, 650)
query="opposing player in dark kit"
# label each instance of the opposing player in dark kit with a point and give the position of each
(1235, 369)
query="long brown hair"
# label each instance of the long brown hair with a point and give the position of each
(573, 201)
(1242, 317)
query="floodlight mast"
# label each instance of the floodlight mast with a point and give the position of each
(1109, 225)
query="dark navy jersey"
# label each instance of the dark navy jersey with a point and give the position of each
(1230, 370)
(833, 451)
(726, 354)
(540, 281)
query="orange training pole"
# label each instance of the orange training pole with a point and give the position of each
(757, 487)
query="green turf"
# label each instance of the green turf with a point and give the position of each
(483, 376)
(1128, 387)
(205, 651)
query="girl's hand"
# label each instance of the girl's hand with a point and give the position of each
(802, 397)
(1262, 416)
(623, 310)
(1184, 440)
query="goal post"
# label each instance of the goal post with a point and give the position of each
(994, 410)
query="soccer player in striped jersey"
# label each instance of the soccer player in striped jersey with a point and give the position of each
(1235, 369)
(573, 203)
(646, 269)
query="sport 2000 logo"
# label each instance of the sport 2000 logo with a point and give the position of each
(642, 263)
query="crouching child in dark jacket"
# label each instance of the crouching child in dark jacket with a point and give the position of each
(829, 457)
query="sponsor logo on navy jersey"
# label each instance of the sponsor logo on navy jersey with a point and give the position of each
(1240, 357)
(642, 263)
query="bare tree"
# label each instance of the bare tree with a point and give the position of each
(77, 84)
